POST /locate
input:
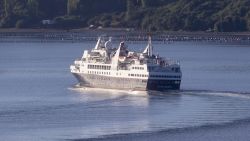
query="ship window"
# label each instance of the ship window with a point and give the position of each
(177, 70)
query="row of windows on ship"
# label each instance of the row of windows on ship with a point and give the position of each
(156, 76)
(135, 75)
(100, 67)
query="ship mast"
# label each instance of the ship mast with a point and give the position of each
(98, 43)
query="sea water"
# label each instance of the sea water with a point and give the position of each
(39, 100)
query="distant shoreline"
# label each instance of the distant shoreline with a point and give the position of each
(15, 30)
(79, 35)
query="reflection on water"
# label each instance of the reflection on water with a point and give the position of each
(140, 111)
(136, 98)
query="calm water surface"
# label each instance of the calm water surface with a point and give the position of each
(38, 100)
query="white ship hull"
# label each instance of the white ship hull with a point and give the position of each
(108, 82)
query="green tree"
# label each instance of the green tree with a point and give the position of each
(33, 6)
(72, 7)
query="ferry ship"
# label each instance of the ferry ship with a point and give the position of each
(119, 68)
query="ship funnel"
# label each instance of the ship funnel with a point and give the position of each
(149, 49)
(115, 59)
(117, 54)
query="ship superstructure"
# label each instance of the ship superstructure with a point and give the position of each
(118, 68)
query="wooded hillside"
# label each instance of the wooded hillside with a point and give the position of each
(149, 15)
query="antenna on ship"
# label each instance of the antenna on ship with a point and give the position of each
(150, 53)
